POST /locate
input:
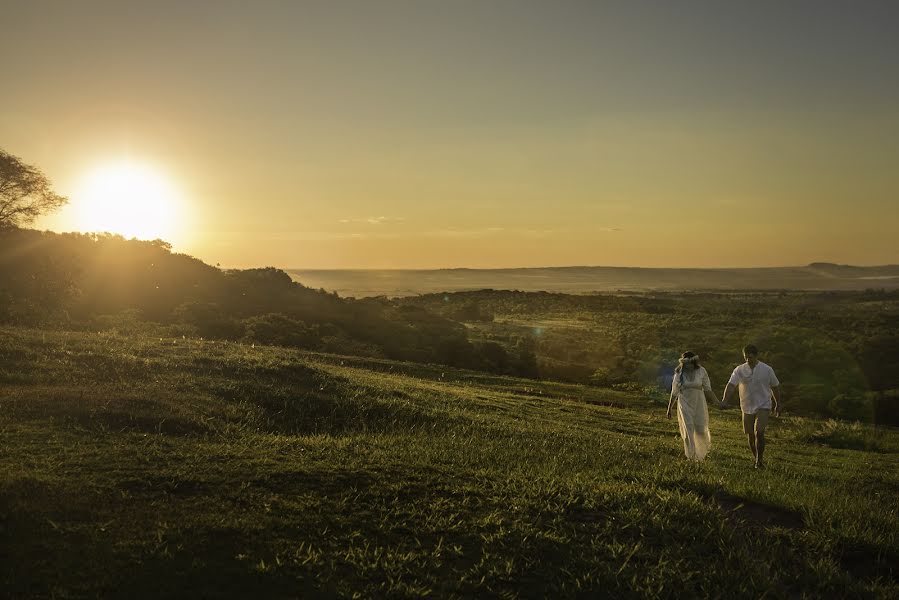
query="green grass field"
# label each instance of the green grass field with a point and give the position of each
(149, 467)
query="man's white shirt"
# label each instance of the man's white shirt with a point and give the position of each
(755, 386)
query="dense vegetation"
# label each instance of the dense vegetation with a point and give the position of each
(142, 467)
(91, 282)
(837, 353)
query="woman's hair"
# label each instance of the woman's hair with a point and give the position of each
(687, 357)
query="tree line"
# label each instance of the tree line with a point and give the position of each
(101, 280)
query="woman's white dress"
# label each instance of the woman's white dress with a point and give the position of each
(692, 412)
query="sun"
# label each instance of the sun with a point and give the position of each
(129, 198)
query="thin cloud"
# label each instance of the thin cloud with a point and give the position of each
(356, 234)
(382, 220)
(484, 231)
(491, 231)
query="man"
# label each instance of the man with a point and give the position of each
(757, 384)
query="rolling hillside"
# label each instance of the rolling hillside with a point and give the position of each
(147, 466)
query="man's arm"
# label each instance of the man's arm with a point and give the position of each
(728, 392)
(775, 393)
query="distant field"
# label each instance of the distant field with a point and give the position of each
(831, 349)
(583, 280)
(145, 467)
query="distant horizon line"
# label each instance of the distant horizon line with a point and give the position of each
(820, 264)
(177, 249)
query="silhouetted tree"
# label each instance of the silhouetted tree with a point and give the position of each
(25, 192)
(493, 356)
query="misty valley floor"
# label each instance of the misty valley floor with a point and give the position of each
(147, 467)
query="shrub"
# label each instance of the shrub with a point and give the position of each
(209, 319)
(601, 377)
(279, 330)
(493, 357)
(852, 405)
(886, 411)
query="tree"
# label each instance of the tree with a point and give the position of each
(25, 193)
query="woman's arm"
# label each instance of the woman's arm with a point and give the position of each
(671, 403)
(707, 388)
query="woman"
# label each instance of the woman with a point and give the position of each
(691, 388)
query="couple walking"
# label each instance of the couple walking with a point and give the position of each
(691, 388)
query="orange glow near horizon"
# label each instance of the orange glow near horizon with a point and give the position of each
(345, 135)
(131, 199)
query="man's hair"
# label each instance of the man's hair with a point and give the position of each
(750, 349)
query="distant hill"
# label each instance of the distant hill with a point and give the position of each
(99, 282)
(585, 280)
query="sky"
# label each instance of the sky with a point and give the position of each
(485, 133)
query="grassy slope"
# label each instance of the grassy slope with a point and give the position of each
(154, 466)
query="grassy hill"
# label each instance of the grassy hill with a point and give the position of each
(147, 466)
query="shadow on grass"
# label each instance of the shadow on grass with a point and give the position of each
(299, 400)
(865, 561)
(742, 512)
(99, 408)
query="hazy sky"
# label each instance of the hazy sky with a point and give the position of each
(476, 133)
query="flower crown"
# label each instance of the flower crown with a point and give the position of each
(693, 359)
